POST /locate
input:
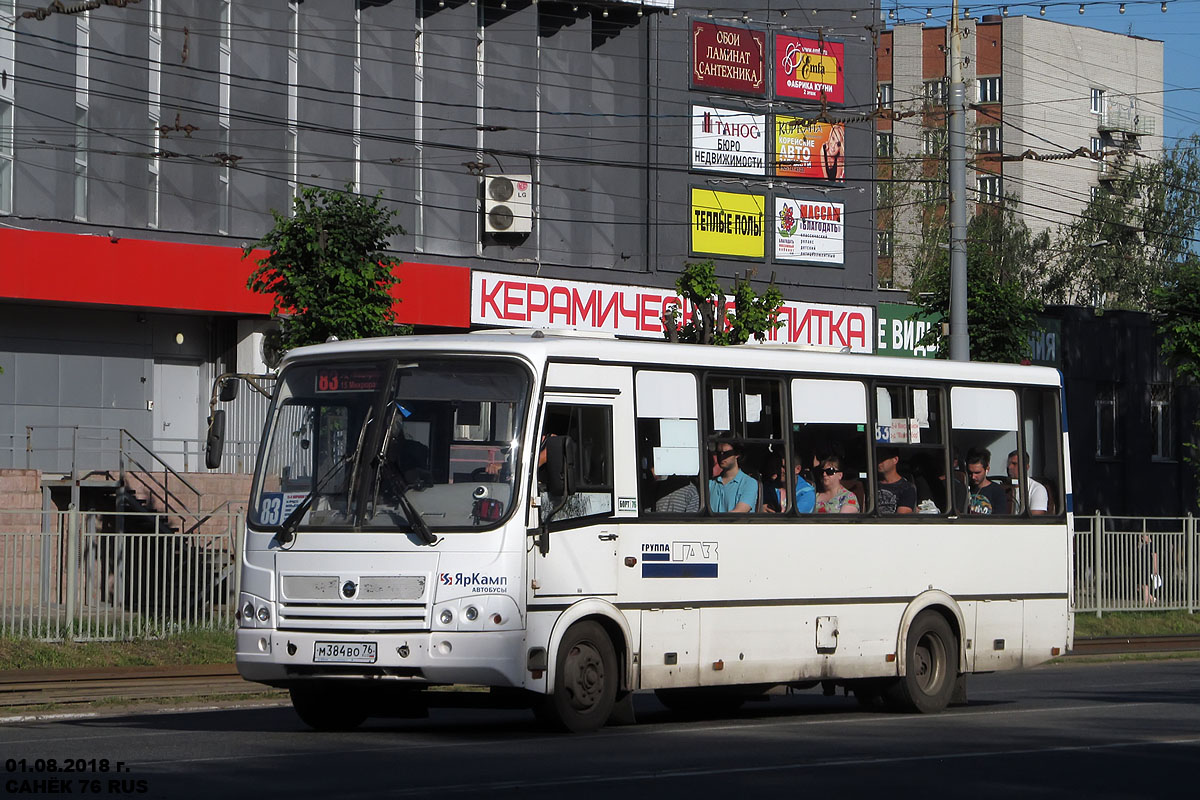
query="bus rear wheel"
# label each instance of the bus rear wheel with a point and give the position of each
(329, 708)
(585, 681)
(931, 667)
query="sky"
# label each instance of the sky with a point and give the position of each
(1178, 29)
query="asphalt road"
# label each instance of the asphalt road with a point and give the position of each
(1095, 730)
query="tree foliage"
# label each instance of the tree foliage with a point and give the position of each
(1131, 236)
(328, 267)
(1176, 304)
(712, 322)
(1001, 313)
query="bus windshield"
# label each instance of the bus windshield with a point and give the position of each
(392, 445)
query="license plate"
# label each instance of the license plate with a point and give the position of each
(345, 652)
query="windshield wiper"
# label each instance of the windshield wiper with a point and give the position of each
(287, 530)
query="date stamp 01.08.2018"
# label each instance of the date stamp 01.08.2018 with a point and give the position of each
(70, 776)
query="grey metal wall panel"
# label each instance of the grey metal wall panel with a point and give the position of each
(80, 380)
(258, 118)
(388, 149)
(125, 383)
(120, 144)
(37, 377)
(45, 113)
(326, 94)
(451, 223)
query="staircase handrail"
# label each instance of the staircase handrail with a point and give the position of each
(166, 493)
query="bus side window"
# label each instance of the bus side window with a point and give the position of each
(746, 414)
(590, 428)
(829, 418)
(984, 433)
(1041, 417)
(668, 441)
(909, 426)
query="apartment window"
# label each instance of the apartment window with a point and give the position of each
(885, 145)
(1106, 421)
(1097, 193)
(989, 89)
(934, 192)
(989, 188)
(81, 163)
(1161, 441)
(1097, 147)
(1098, 101)
(883, 244)
(937, 93)
(6, 156)
(989, 139)
(884, 95)
(933, 142)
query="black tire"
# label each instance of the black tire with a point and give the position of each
(326, 708)
(701, 701)
(931, 667)
(585, 681)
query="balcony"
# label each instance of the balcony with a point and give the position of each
(1127, 121)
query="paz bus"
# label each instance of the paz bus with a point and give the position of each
(540, 514)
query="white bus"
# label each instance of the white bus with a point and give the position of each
(551, 516)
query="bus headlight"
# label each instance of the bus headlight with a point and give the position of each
(472, 613)
(264, 614)
(446, 617)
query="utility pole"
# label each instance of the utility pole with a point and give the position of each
(960, 341)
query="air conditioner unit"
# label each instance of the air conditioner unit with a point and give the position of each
(507, 204)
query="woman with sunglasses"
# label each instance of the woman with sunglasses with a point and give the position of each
(832, 497)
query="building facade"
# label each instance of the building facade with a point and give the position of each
(1089, 99)
(541, 146)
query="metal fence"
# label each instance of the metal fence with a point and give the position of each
(88, 575)
(1136, 564)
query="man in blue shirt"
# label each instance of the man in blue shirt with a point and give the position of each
(733, 491)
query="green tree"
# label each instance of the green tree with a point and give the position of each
(753, 315)
(328, 268)
(1001, 313)
(1132, 235)
(1176, 305)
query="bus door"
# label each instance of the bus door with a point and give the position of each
(578, 554)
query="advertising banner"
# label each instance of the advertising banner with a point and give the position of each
(901, 326)
(518, 301)
(729, 141)
(809, 230)
(729, 59)
(728, 223)
(805, 148)
(807, 69)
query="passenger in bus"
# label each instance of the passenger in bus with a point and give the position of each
(806, 493)
(774, 483)
(1039, 498)
(675, 494)
(833, 497)
(894, 494)
(987, 497)
(731, 491)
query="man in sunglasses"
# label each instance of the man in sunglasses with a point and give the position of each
(731, 491)
(894, 494)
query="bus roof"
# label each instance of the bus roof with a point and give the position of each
(541, 346)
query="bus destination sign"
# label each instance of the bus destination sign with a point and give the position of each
(347, 379)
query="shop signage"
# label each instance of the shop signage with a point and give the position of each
(729, 59)
(809, 69)
(523, 302)
(729, 141)
(900, 327)
(727, 223)
(809, 230)
(805, 148)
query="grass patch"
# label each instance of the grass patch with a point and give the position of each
(1137, 623)
(191, 647)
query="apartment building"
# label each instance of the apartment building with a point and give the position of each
(1089, 99)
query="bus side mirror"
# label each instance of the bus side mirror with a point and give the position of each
(229, 390)
(561, 466)
(214, 447)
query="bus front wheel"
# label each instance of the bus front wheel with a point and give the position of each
(585, 681)
(325, 708)
(931, 667)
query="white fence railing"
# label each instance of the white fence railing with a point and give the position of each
(89, 575)
(1136, 564)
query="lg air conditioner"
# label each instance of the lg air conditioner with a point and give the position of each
(507, 204)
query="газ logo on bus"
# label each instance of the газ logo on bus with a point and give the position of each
(679, 560)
